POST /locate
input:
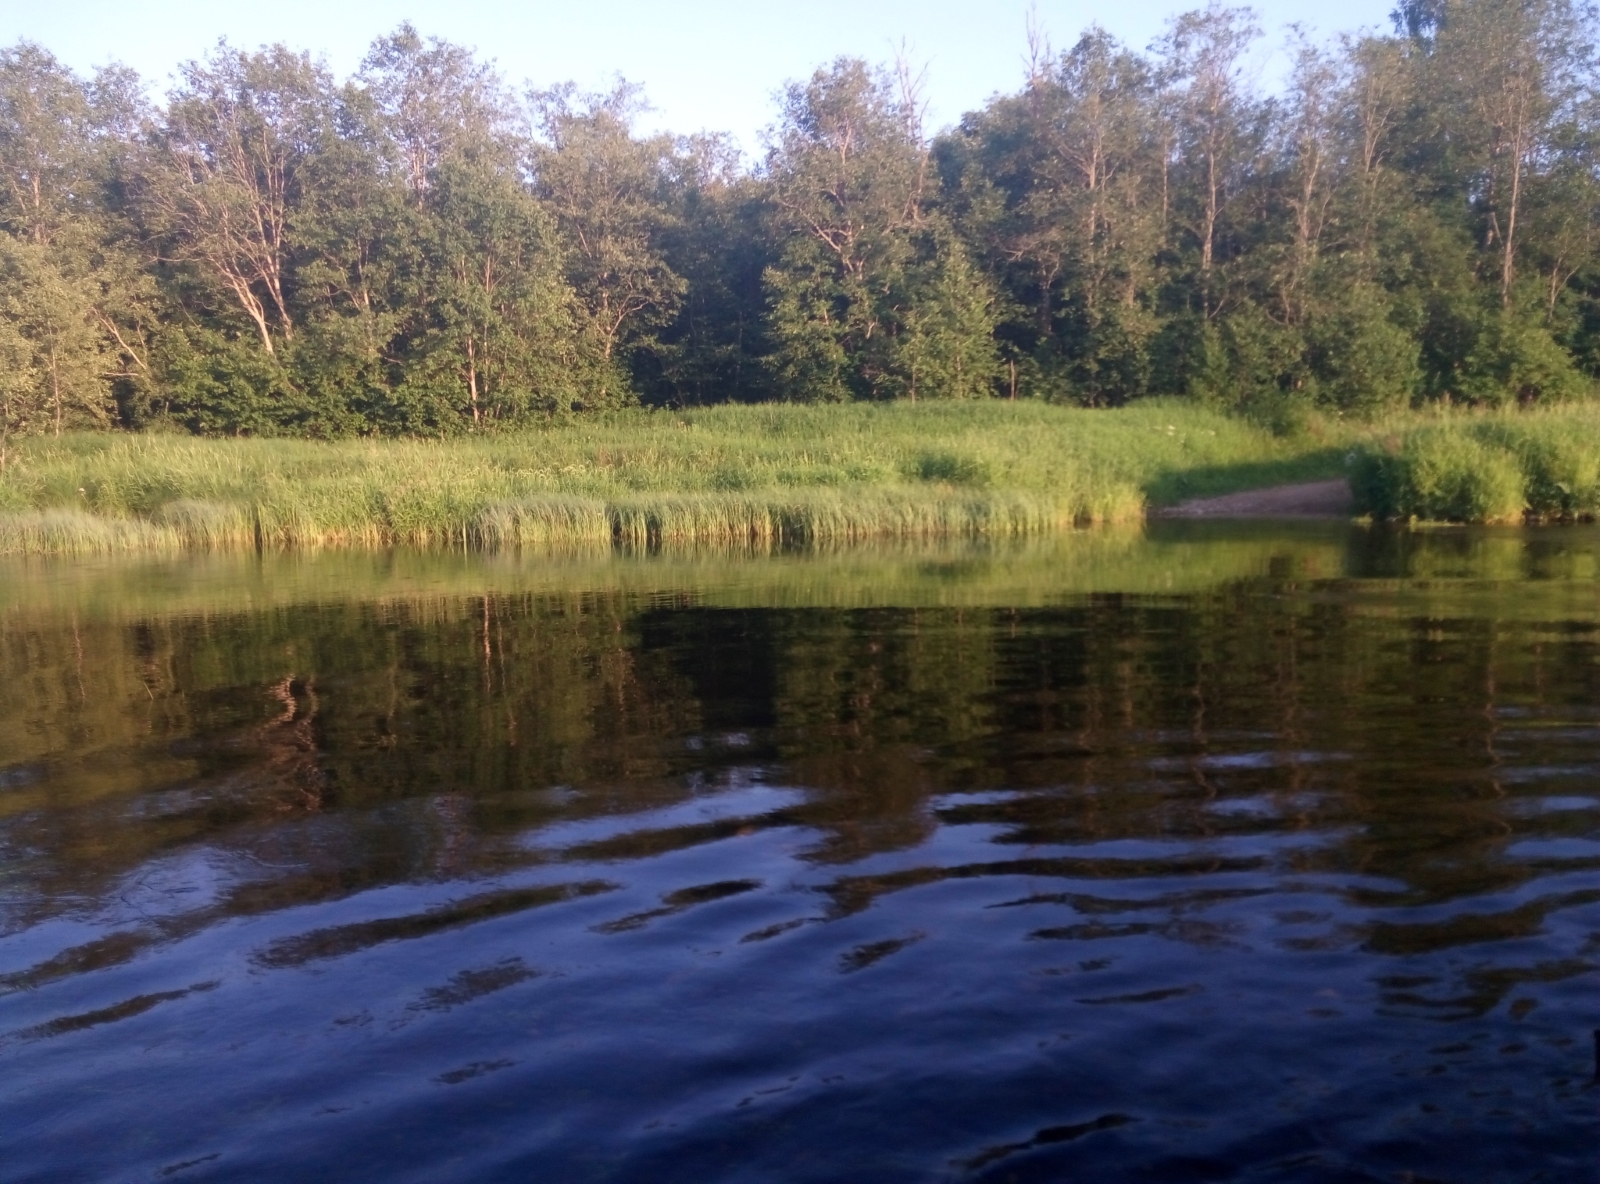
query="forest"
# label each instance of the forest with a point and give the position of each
(422, 248)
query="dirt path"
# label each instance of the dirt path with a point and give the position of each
(1314, 499)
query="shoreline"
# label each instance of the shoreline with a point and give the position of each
(1306, 499)
(772, 476)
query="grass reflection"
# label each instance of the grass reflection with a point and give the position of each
(325, 725)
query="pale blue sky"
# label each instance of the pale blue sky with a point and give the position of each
(705, 64)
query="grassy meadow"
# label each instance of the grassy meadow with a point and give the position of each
(770, 476)
(748, 476)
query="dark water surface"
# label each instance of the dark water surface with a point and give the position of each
(1222, 853)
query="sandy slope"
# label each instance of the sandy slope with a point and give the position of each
(1313, 499)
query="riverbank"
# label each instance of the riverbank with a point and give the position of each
(763, 476)
(768, 476)
(1306, 499)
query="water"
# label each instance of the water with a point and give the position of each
(1223, 853)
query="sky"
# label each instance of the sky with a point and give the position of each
(705, 65)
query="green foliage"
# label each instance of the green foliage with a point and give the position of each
(947, 349)
(496, 341)
(1493, 468)
(770, 475)
(1054, 187)
(59, 352)
(719, 241)
(873, 296)
(764, 475)
(1515, 359)
(1360, 361)
(1563, 478)
(217, 385)
(21, 409)
(421, 250)
(813, 325)
(608, 191)
(1452, 477)
(1558, 457)
(950, 468)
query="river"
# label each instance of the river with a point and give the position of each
(1215, 851)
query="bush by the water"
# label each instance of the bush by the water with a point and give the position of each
(1495, 468)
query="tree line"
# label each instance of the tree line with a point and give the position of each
(420, 249)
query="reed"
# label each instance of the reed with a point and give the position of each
(767, 476)
(75, 532)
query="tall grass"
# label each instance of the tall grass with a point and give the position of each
(762, 477)
(1499, 467)
(768, 477)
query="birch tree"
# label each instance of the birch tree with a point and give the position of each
(239, 131)
(1511, 73)
(1217, 123)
